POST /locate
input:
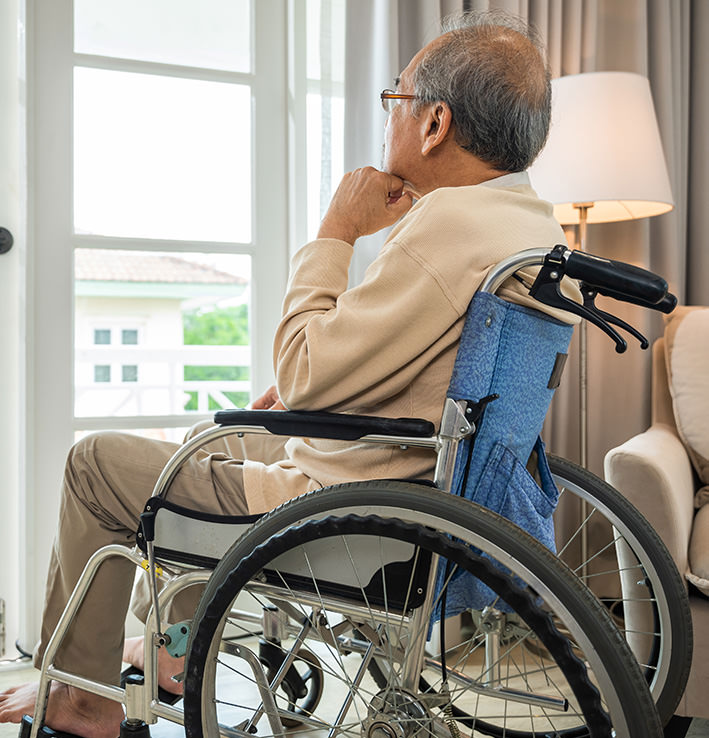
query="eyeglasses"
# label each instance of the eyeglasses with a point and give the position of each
(391, 99)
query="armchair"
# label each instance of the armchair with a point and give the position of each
(664, 472)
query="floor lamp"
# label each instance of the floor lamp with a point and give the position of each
(603, 162)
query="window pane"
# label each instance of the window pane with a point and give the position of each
(326, 39)
(161, 157)
(325, 154)
(325, 104)
(129, 373)
(102, 373)
(191, 312)
(129, 337)
(210, 33)
(102, 337)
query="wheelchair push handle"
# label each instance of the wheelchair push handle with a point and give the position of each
(665, 305)
(617, 279)
(597, 275)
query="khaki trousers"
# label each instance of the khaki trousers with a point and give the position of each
(107, 480)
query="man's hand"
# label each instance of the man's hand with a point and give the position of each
(269, 400)
(366, 201)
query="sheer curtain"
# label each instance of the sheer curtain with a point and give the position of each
(661, 39)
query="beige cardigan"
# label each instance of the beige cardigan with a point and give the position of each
(386, 347)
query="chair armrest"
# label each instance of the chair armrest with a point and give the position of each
(652, 470)
(339, 426)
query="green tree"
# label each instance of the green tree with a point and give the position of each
(218, 327)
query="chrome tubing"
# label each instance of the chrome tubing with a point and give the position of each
(507, 267)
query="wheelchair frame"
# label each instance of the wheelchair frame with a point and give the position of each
(142, 704)
(141, 700)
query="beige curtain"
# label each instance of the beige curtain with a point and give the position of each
(661, 39)
(665, 41)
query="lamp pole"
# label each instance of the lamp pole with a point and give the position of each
(583, 208)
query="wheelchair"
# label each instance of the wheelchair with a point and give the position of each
(335, 613)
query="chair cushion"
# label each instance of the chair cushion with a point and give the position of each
(698, 574)
(687, 356)
(687, 353)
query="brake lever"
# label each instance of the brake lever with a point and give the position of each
(589, 294)
(547, 289)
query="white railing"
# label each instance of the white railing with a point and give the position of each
(161, 388)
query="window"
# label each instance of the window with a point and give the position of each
(129, 337)
(190, 189)
(161, 157)
(187, 123)
(325, 64)
(102, 373)
(102, 336)
(129, 373)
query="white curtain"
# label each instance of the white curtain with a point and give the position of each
(382, 36)
(662, 39)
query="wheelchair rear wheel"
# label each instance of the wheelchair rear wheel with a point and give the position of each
(357, 622)
(618, 554)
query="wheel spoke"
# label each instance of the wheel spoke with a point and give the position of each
(518, 675)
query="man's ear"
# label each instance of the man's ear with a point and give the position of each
(436, 124)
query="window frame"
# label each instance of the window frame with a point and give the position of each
(271, 172)
(277, 167)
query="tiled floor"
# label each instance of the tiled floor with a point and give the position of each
(10, 677)
(164, 729)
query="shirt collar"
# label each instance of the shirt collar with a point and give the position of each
(514, 179)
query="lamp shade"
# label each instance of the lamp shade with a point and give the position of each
(604, 149)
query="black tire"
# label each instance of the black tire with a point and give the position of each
(651, 607)
(401, 510)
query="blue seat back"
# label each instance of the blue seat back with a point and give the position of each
(516, 353)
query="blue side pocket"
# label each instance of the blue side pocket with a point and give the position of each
(507, 488)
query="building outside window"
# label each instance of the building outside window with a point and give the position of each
(187, 348)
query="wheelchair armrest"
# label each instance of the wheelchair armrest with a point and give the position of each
(326, 425)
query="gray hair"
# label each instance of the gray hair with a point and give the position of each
(491, 70)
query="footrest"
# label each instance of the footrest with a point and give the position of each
(45, 732)
(167, 698)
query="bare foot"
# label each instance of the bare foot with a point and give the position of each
(69, 709)
(167, 665)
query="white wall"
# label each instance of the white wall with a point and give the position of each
(12, 298)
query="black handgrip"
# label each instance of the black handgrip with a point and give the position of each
(625, 281)
(318, 424)
(666, 305)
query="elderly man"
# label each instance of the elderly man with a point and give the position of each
(467, 116)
